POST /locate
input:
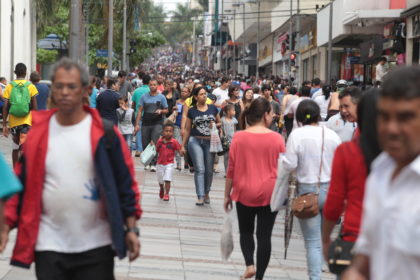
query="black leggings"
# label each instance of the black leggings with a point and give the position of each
(265, 223)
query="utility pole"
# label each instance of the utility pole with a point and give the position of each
(74, 30)
(194, 44)
(124, 54)
(110, 35)
(243, 37)
(258, 40)
(290, 42)
(297, 45)
(33, 35)
(86, 13)
(330, 45)
(234, 42)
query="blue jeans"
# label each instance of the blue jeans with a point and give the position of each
(311, 229)
(199, 150)
(128, 138)
(139, 146)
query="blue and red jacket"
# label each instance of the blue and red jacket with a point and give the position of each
(114, 171)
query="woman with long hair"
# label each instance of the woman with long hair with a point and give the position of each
(247, 98)
(309, 152)
(201, 118)
(233, 93)
(287, 102)
(252, 171)
(347, 185)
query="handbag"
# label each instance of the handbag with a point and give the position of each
(215, 143)
(340, 254)
(148, 154)
(306, 206)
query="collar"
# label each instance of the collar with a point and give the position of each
(384, 161)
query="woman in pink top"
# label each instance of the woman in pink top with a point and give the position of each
(250, 181)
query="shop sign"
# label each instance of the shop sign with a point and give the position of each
(266, 50)
(371, 50)
(307, 41)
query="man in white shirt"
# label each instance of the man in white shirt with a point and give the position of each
(81, 200)
(388, 246)
(222, 92)
(381, 69)
(291, 111)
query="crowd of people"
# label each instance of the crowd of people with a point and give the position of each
(357, 150)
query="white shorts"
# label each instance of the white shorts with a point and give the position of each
(164, 172)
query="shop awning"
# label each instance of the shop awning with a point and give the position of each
(371, 17)
(410, 12)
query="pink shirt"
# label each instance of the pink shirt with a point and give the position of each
(253, 166)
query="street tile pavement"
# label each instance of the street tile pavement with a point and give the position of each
(182, 241)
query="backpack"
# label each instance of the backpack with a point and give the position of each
(20, 99)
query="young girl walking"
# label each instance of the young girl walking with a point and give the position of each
(126, 119)
(229, 123)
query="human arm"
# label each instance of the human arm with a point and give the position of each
(131, 239)
(290, 158)
(34, 104)
(187, 131)
(5, 115)
(227, 205)
(164, 110)
(185, 109)
(359, 269)
(138, 117)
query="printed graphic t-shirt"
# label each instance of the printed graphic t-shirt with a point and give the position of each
(150, 104)
(201, 120)
(73, 213)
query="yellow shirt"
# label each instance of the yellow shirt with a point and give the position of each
(16, 121)
(189, 100)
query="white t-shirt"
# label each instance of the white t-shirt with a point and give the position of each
(221, 94)
(303, 153)
(73, 215)
(317, 93)
(344, 129)
(292, 110)
(381, 71)
(323, 105)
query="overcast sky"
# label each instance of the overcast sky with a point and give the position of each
(169, 5)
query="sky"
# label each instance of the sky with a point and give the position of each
(169, 5)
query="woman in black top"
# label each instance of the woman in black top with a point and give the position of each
(170, 95)
(234, 99)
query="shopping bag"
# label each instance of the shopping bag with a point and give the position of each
(148, 154)
(215, 143)
(9, 183)
(226, 240)
(279, 195)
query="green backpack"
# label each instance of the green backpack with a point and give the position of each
(20, 99)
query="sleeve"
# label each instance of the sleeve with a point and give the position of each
(33, 91)
(134, 96)
(6, 92)
(141, 102)
(176, 145)
(235, 121)
(290, 158)
(335, 201)
(164, 102)
(190, 114)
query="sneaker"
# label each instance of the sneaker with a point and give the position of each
(161, 193)
(153, 168)
(166, 197)
(137, 154)
(147, 167)
(207, 199)
(199, 202)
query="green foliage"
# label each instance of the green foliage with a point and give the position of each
(46, 56)
(146, 42)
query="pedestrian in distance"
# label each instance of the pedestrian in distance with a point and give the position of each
(126, 120)
(309, 152)
(20, 101)
(43, 91)
(250, 180)
(166, 147)
(107, 101)
(73, 157)
(229, 124)
(200, 120)
(388, 243)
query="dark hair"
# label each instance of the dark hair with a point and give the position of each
(195, 94)
(326, 91)
(255, 112)
(366, 116)
(111, 81)
(224, 80)
(383, 59)
(316, 81)
(355, 94)
(293, 90)
(402, 83)
(35, 77)
(20, 69)
(168, 124)
(232, 90)
(122, 74)
(306, 91)
(125, 99)
(146, 79)
(305, 83)
(266, 87)
(2, 79)
(227, 108)
(308, 112)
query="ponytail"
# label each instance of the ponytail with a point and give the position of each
(326, 90)
(255, 112)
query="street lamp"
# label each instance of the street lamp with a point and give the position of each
(243, 31)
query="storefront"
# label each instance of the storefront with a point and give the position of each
(309, 67)
(266, 56)
(280, 55)
(412, 17)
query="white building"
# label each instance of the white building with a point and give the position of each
(17, 42)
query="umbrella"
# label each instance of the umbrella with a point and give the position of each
(288, 225)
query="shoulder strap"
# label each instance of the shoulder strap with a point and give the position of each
(27, 83)
(13, 83)
(109, 133)
(322, 155)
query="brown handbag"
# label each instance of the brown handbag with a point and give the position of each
(306, 205)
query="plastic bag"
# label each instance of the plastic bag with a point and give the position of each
(215, 143)
(148, 154)
(226, 240)
(279, 195)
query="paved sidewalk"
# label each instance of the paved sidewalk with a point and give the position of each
(182, 241)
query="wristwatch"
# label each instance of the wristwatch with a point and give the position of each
(136, 230)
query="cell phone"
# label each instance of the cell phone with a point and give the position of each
(158, 104)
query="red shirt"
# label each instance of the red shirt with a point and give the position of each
(166, 150)
(253, 159)
(347, 188)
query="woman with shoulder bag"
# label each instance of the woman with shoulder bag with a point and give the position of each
(250, 180)
(347, 186)
(309, 151)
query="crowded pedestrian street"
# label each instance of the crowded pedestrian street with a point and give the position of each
(182, 241)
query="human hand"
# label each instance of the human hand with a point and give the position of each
(136, 129)
(5, 131)
(158, 111)
(4, 237)
(325, 247)
(182, 151)
(227, 204)
(133, 245)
